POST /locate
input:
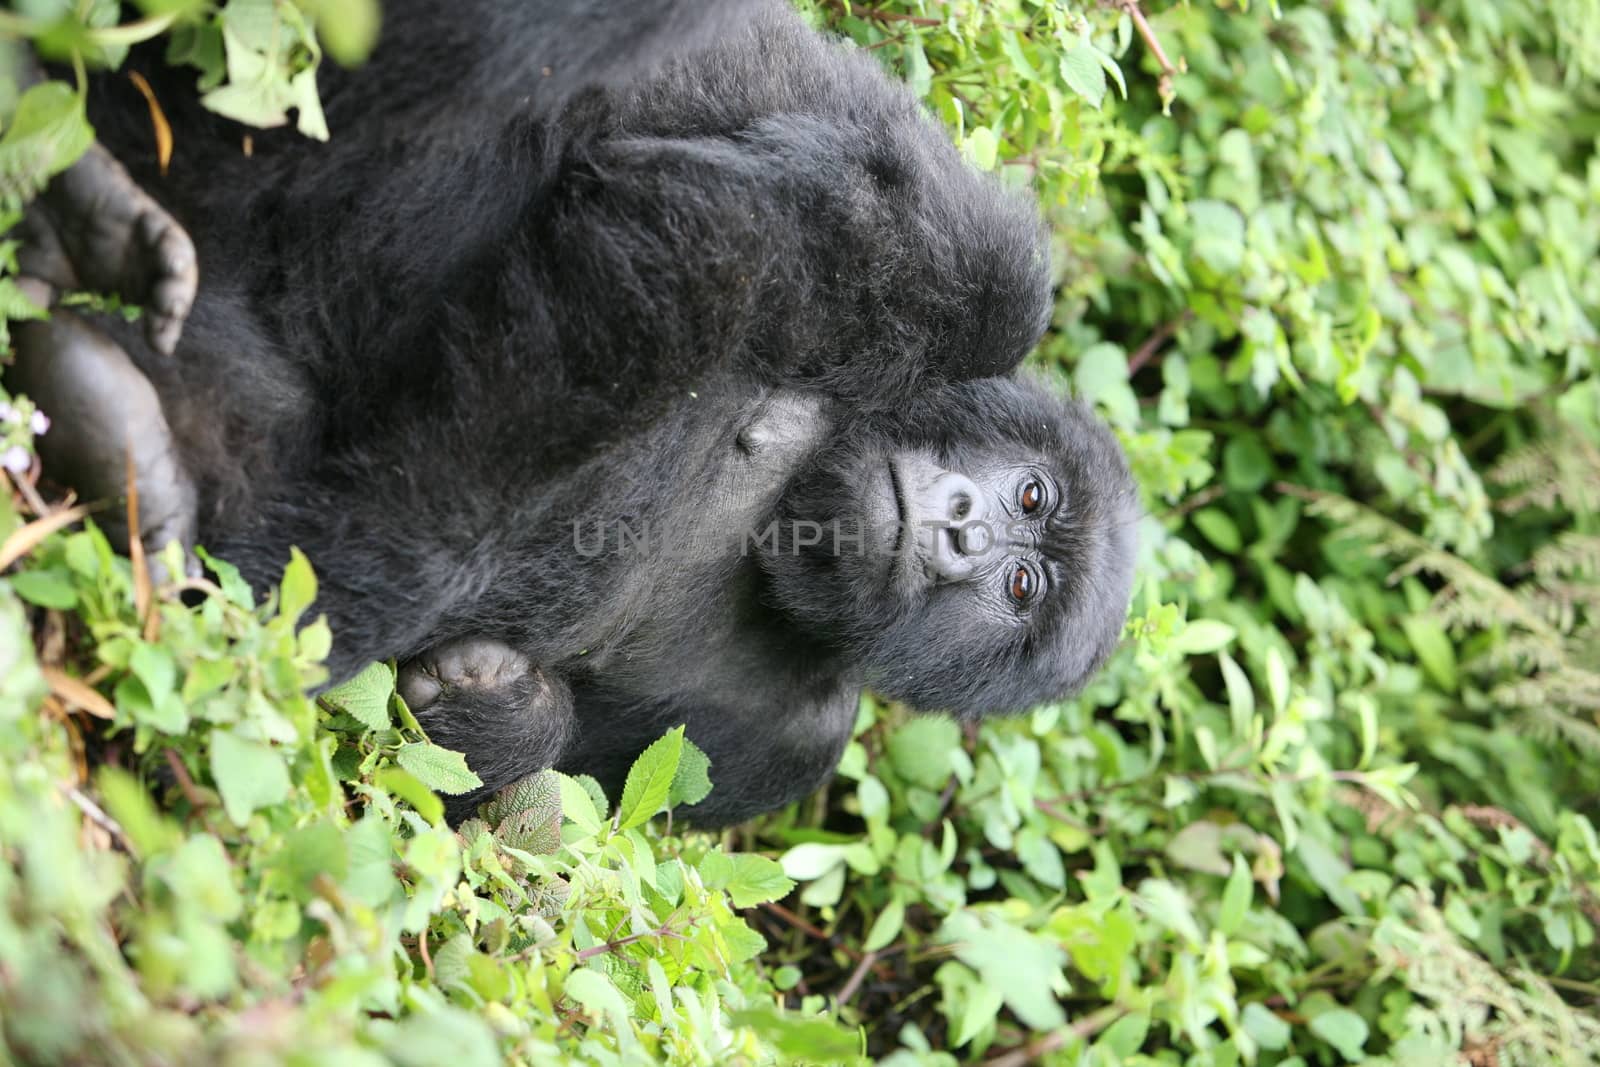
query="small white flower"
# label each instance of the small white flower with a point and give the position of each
(39, 423)
(16, 459)
(8, 414)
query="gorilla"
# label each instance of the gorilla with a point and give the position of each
(618, 364)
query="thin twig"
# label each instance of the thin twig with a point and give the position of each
(191, 792)
(422, 950)
(853, 983)
(1153, 343)
(1151, 41)
(1045, 1044)
(663, 930)
(94, 814)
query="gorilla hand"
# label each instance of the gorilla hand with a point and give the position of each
(107, 415)
(94, 228)
(483, 698)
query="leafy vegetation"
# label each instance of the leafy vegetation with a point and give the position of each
(1326, 266)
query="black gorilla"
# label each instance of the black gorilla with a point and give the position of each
(617, 365)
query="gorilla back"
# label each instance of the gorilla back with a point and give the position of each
(693, 269)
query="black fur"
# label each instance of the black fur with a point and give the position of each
(555, 260)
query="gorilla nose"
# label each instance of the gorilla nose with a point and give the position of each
(954, 498)
(958, 527)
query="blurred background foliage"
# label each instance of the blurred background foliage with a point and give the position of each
(1327, 268)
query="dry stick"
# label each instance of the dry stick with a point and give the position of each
(1085, 1027)
(92, 812)
(1153, 343)
(857, 976)
(27, 538)
(422, 949)
(1140, 23)
(191, 792)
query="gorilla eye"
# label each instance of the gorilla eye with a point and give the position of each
(1022, 585)
(1032, 496)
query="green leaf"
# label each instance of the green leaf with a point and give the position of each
(1084, 73)
(1434, 650)
(982, 148)
(919, 749)
(408, 788)
(1201, 636)
(650, 780)
(886, 927)
(298, 588)
(442, 1035)
(1025, 969)
(48, 588)
(47, 134)
(1218, 527)
(438, 768)
(598, 997)
(1267, 1030)
(1236, 896)
(577, 806)
(691, 784)
(756, 880)
(1344, 1030)
(249, 776)
(234, 588)
(366, 696)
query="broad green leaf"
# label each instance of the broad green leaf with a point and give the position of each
(298, 588)
(438, 768)
(1082, 70)
(650, 780)
(1201, 636)
(250, 776)
(48, 588)
(366, 696)
(1025, 969)
(577, 806)
(1344, 1030)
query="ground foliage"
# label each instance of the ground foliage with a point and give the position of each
(1326, 266)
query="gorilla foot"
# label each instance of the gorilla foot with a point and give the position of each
(486, 700)
(105, 413)
(95, 228)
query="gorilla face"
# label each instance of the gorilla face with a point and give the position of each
(973, 556)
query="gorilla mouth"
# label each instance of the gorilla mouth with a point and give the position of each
(898, 493)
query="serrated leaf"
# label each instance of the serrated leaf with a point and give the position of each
(366, 696)
(756, 880)
(650, 780)
(692, 783)
(1084, 74)
(47, 134)
(438, 768)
